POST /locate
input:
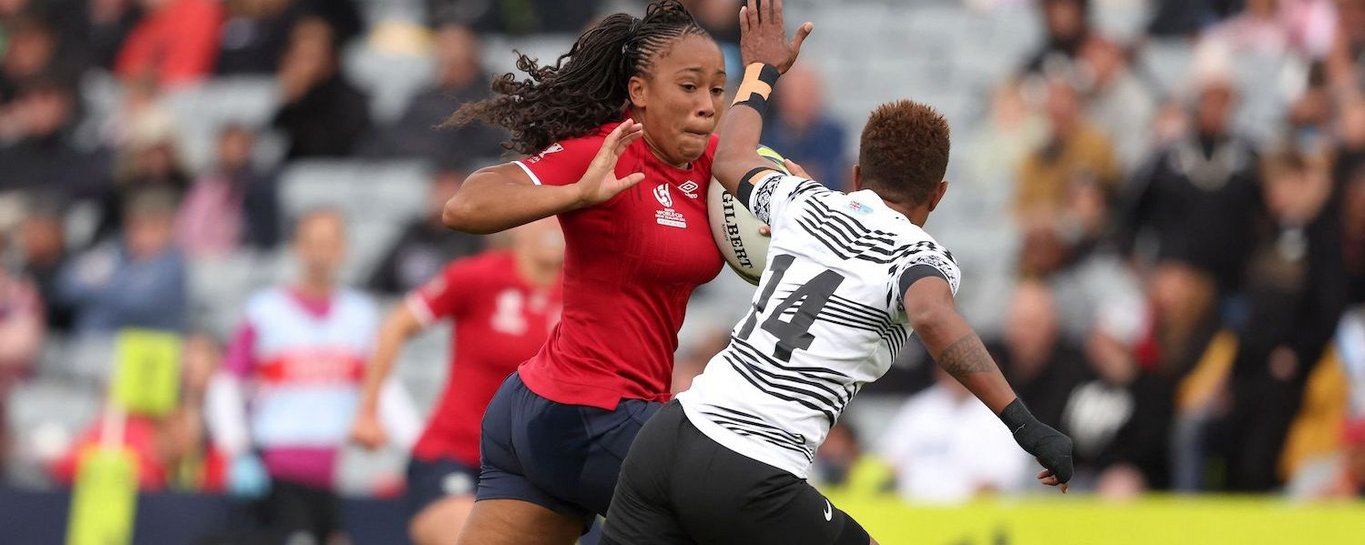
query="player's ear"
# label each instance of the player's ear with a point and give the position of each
(938, 195)
(857, 178)
(636, 87)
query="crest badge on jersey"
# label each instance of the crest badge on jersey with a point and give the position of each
(661, 193)
(554, 148)
(859, 208)
(668, 216)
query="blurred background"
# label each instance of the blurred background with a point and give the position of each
(1158, 207)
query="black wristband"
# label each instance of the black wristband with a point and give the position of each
(757, 87)
(1016, 416)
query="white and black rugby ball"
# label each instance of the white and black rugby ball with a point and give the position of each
(737, 230)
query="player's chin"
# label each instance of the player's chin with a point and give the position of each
(691, 145)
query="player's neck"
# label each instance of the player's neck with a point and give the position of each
(315, 288)
(658, 154)
(916, 214)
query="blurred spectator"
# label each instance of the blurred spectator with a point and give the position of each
(1066, 24)
(256, 32)
(1349, 481)
(1120, 418)
(1197, 199)
(36, 145)
(697, 355)
(41, 242)
(170, 451)
(836, 457)
(1346, 61)
(176, 41)
(1010, 133)
(460, 78)
(22, 332)
(298, 358)
(233, 205)
(1295, 293)
(1274, 28)
(803, 130)
(324, 115)
(254, 36)
(150, 161)
(426, 245)
(101, 28)
(1350, 137)
(1185, 18)
(29, 53)
(1117, 100)
(1041, 364)
(189, 456)
(1071, 176)
(137, 281)
(947, 447)
(525, 17)
(1353, 234)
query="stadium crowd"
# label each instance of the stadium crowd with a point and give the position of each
(1186, 283)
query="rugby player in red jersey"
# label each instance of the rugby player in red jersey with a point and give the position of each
(619, 134)
(504, 304)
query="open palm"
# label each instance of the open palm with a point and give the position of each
(599, 183)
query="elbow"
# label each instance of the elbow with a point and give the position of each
(927, 316)
(458, 215)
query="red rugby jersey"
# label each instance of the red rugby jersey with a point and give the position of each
(500, 320)
(631, 263)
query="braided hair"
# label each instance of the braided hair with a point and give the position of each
(587, 86)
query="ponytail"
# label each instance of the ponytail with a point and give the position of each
(586, 87)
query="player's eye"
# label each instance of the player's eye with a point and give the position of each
(718, 91)
(689, 87)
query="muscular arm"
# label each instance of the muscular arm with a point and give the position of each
(400, 325)
(737, 147)
(953, 344)
(501, 197)
(957, 349)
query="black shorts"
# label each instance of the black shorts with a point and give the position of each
(430, 481)
(678, 486)
(562, 457)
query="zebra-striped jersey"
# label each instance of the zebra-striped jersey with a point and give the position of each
(827, 318)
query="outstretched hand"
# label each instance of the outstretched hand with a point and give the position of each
(762, 37)
(599, 183)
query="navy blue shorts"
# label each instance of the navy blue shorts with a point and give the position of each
(562, 457)
(430, 481)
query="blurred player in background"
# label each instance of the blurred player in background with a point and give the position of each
(556, 432)
(504, 304)
(296, 362)
(849, 278)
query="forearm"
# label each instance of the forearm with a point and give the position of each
(739, 134)
(397, 328)
(958, 350)
(490, 201)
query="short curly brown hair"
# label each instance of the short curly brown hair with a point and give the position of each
(903, 154)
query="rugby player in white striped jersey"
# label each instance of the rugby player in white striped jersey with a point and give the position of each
(850, 277)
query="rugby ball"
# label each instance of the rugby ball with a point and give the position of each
(736, 230)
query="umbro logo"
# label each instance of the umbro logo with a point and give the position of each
(661, 193)
(689, 188)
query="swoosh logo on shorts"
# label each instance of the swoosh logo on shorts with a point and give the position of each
(829, 511)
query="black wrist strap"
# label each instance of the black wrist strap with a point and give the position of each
(756, 87)
(1016, 416)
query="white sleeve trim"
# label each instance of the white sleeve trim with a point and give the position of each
(527, 170)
